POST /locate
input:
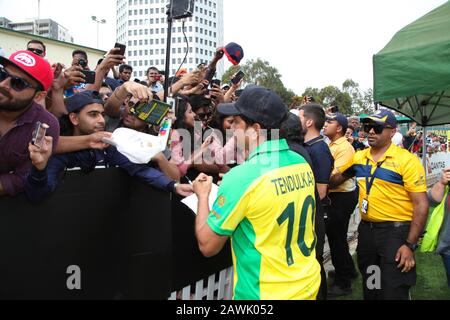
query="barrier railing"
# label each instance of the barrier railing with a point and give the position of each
(214, 290)
(100, 236)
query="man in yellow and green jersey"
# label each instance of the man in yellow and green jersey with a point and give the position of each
(267, 207)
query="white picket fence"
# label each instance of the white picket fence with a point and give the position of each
(214, 290)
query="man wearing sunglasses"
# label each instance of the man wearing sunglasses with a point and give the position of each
(24, 78)
(394, 208)
(37, 47)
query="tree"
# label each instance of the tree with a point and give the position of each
(350, 99)
(361, 102)
(261, 73)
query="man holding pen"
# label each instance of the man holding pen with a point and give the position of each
(266, 206)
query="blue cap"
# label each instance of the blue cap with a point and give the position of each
(383, 117)
(340, 118)
(234, 53)
(258, 104)
(80, 100)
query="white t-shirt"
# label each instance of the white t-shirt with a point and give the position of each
(397, 139)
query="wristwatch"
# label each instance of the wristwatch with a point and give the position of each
(413, 247)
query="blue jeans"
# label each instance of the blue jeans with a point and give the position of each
(446, 259)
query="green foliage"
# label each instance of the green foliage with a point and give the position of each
(261, 73)
(350, 99)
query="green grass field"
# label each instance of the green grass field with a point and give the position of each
(431, 280)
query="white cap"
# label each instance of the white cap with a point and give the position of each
(295, 111)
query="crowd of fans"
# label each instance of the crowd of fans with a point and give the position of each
(346, 155)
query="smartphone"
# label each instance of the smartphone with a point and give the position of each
(238, 77)
(39, 134)
(89, 76)
(334, 109)
(122, 48)
(58, 70)
(172, 103)
(164, 131)
(152, 112)
(216, 82)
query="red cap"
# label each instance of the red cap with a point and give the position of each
(32, 64)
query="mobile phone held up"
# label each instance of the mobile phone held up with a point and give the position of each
(39, 134)
(89, 76)
(122, 48)
(238, 77)
(216, 82)
(57, 71)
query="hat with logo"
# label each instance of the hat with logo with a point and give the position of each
(383, 117)
(80, 100)
(234, 53)
(33, 65)
(340, 118)
(258, 104)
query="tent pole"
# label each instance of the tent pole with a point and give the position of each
(424, 148)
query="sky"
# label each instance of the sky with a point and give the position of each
(311, 43)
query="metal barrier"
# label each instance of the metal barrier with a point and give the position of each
(128, 240)
(214, 290)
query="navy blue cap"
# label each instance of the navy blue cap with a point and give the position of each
(80, 100)
(258, 104)
(340, 118)
(234, 53)
(383, 117)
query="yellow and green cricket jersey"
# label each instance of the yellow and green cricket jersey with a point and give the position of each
(267, 207)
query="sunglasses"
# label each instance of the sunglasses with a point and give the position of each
(204, 116)
(378, 129)
(39, 52)
(18, 84)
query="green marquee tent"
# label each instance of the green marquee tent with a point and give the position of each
(412, 73)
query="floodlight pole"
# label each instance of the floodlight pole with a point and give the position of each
(168, 48)
(103, 21)
(39, 17)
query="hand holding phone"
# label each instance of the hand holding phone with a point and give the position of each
(238, 77)
(57, 70)
(89, 76)
(122, 48)
(39, 156)
(39, 134)
(216, 82)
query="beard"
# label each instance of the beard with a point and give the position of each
(19, 105)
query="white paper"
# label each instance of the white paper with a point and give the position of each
(138, 147)
(192, 201)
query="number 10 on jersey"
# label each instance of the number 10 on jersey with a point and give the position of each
(289, 216)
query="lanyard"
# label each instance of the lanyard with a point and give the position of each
(369, 184)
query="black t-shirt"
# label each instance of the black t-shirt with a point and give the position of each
(298, 148)
(322, 159)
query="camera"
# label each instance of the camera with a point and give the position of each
(82, 63)
(334, 109)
